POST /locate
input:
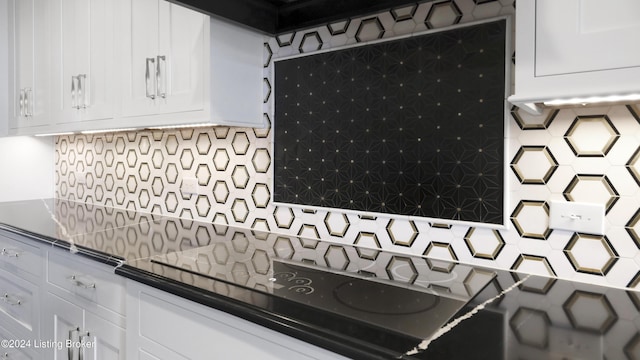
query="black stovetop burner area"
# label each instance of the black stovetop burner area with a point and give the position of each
(414, 306)
(354, 294)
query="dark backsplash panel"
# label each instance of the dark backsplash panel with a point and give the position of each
(412, 126)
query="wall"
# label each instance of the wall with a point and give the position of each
(26, 168)
(583, 154)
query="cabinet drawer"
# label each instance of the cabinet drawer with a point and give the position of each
(93, 285)
(18, 302)
(19, 257)
(15, 353)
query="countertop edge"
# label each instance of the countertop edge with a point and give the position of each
(62, 244)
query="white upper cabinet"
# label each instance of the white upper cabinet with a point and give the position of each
(4, 67)
(82, 65)
(179, 67)
(236, 77)
(575, 49)
(29, 86)
(164, 59)
(82, 60)
(180, 63)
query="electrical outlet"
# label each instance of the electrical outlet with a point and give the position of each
(575, 216)
(81, 177)
(190, 186)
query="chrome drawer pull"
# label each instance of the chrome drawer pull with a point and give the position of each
(74, 101)
(11, 300)
(79, 283)
(82, 91)
(21, 102)
(72, 338)
(81, 352)
(150, 90)
(70, 351)
(28, 102)
(10, 252)
(161, 90)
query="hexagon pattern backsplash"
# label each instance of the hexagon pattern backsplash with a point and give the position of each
(583, 154)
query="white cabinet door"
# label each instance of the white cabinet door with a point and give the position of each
(575, 51)
(63, 14)
(109, 339)
(139, 49)
(567, 30)
(180, 64)
(19, 308)
(163, 65)
(16, 353)
(83, 60)
(96, 58)
(30, 61)
(85, 303)
(92, 286)
(63, 321)
(5, 112)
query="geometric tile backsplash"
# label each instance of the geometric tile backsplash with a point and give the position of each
(575, 154)
(413, 126)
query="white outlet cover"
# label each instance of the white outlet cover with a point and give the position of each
(81, 177)
(587, 218)
(189, 186)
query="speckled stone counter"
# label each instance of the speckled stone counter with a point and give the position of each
(358, 302)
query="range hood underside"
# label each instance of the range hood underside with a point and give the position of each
(280, 16)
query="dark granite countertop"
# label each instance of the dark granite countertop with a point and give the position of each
(361, 303)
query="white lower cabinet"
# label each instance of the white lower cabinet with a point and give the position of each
(165, 326)
(20, 297)
(79, 334)
(19, 303)
(84, 307)
(62, 322)
(89, 284)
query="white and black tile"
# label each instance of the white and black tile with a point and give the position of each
(582, 154)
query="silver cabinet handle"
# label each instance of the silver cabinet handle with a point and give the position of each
(21, 103)
(161, 77)
(11, 300)
(82, 91)
(70, 348)
(74, 101)
(10, 252)
(79, 283)
(150, 94)
(81, 350)
(24, 112)
(28, 102)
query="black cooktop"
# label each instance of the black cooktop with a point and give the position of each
(416, 308)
